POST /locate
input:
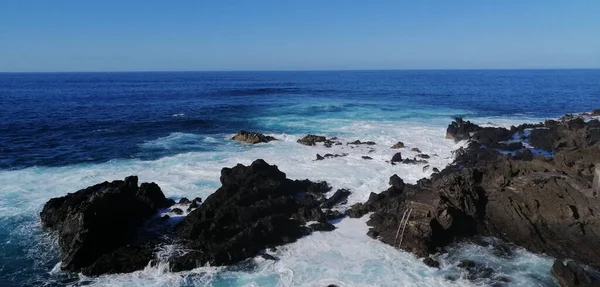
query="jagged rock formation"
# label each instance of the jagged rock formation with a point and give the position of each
(257, 207)
(461, 130)
(96, 221)
(497, 188)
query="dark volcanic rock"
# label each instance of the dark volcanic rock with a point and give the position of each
(358, 142)
(98, 220)
(491, 136)
(431, 262)
(333, 214)
(415, 149)
(339, 197)
(311, 140)
(329, 155)
(252, 137)
(125, 259)
(542, 139)
(571, 275)
(321, 226)
(398, 145)
(422, 155)
(460, 130)
(414, 161)
(366, 157)
(397, 157)
(184, 200)
(546, 205)
(256, 207)
(177, 211)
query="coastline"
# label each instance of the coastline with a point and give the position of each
(465, 133)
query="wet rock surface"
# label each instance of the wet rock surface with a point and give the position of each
(461, 130)
(397, 157)
(572, 275)
(100, 219)
(256, 208)
(530, 185)
(311, 140)
(358, 142)
(398, 145)
(330, 155)
(252, 137)
(542, 203)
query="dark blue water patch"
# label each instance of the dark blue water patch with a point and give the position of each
(54, 119)
(27, 254)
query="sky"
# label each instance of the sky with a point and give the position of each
(206, 35)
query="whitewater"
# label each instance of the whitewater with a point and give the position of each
(60, 133)
(344, 257)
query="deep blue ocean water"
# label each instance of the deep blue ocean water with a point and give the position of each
(54, 119)
(60, 132)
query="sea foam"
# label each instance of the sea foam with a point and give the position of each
(345, 257)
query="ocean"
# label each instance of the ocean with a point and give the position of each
(61, 132)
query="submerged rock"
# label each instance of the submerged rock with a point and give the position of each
(358, 142)
(329, 155)
(100, 219)
(252, 137)
(414, 161)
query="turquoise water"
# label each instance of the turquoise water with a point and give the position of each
(64, 132)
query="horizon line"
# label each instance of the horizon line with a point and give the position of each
(289, 70)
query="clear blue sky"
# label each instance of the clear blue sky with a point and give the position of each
(129, 35)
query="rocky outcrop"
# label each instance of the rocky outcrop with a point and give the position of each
(311, 140)
(461, 130)
(100, 219)
(104, 228)
(339, 197)
(252, 137)
(397, 157)
(542, 203)
(398, 145)
(255, 208)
